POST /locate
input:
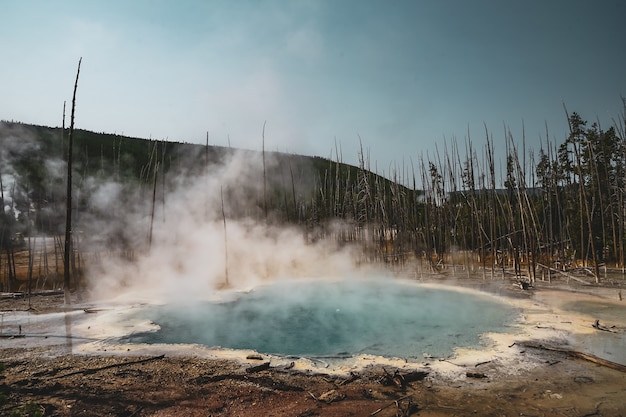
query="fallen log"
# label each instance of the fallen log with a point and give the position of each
(477, 375)
(579, 355)
(415, 376)
(399, 379)
(255, 356)
(598, 326)
(390, 404)
(115, 365)
(410, 409)
(353, 377)
(4, 295)
(262, 380)
(455, 364)
(570, 276)
(33, 294)
(258, 368)
(396, 379)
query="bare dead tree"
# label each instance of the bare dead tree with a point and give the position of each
(4, 231)
(264, 174)
(68, 218)
(225, 239)
(154, 190)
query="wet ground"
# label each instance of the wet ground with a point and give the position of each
(56, 377)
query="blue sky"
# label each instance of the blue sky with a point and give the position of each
(404, 76)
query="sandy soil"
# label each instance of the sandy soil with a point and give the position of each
(510, 378)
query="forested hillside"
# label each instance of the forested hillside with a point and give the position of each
(120, 180)
(559, 207)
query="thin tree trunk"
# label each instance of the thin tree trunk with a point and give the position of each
(68, 218)
(154, 189)
(293, 193)
(4, 226)
(225, 239)
(264, 175)
(584, 204)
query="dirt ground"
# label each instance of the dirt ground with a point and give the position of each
(46, 381)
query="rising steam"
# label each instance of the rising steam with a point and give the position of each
(186, 257)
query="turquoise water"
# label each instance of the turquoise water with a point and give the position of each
(389, 318)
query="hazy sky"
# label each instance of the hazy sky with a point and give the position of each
(403, 75)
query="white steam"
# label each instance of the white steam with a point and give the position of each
(16, 146)
(187, 257)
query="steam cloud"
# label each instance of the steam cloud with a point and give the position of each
(190, 250)
(18, 148)
(187, 256)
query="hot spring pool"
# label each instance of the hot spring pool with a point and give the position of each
(390, 318)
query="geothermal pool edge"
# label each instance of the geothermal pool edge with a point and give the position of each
(539, 321)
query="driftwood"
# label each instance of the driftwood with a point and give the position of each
(455, 364)
(328, 397)
(579, 355)
(12, 295)
(255, 356)
(262, 380)
(396, 379)
(258, 368)
(582, 281)
(353, 377)
(390, 404)
(136, 412)
(411, 408)
(4, 295)
(400, 380)
(598, 326)
(116, 365)
(415, 376)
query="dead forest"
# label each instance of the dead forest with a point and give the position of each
(533, 214)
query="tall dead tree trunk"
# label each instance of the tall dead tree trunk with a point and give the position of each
(264, 174)
(225, 240)
(3, 233)
(154, 190)
(68, 218)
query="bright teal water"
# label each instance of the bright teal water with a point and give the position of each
(383, 317)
